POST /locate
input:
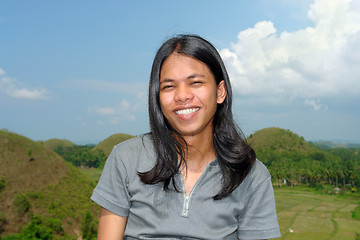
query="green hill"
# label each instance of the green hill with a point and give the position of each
(288, 156)
(280, 141)
(38, 189)
(107, 145)
(55, 142)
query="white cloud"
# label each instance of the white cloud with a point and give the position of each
(123, 116)
(315, 103)
(312, 63)
(10, 87)
(102, 110)
(125, 104)
(114, 120)
(99, 122)
(125, 110)
(133, 101)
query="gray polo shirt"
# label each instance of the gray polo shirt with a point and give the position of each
(248, 212)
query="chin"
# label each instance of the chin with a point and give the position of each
(188, 133)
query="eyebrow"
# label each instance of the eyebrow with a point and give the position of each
(166, 80)
(192, 76)
(195, 75)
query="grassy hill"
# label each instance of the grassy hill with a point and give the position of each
(107, 145)
(274, 144)
(289, 156)
(38, 186)
(280, 140)
(55, 142)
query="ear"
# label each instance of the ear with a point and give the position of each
(221, 92)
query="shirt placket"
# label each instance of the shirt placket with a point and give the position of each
(187, 199)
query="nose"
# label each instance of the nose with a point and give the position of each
(183, 93)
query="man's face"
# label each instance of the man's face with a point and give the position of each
(189, 95)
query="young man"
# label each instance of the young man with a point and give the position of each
(193, 176)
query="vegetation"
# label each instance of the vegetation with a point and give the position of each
(22, 204)
(46, 198)
(54, 143)
(2, 183)
(349, 170)
(2, 222)
(108, 144)
(89, 230)
(93, 173)
(303, 213)
(356, 213)
(40, 227)
(86, 155)
(82, 156)
(329, 144)
(293, 161)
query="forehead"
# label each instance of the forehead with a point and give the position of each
(182, 66)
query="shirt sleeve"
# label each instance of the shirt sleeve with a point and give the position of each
(111, 191)
(259, 220)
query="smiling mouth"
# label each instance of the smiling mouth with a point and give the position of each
(186, 111)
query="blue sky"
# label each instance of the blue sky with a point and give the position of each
(79, 69)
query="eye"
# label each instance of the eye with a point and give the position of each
(167, 87)
(197, 83)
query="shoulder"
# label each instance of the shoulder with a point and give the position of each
(135, 145)
(259, 172)
(257, 176)
(136, 152)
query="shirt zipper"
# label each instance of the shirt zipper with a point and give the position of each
(185, 210)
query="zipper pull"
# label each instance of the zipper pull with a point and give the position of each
(185, 211)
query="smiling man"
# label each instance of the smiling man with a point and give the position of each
(193, 176)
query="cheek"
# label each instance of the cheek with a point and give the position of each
(164, 103)
(210, 97)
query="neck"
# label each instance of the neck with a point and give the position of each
(200, 151)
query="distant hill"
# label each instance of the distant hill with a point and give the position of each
(55, 142)
(108, 144)
(35, 181)
(331, 144)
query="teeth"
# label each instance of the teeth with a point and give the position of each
(187, 111)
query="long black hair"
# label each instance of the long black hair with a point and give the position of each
(234, 155)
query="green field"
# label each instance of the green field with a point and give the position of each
(93, 173)
(308, 215)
